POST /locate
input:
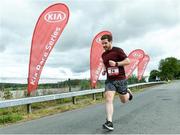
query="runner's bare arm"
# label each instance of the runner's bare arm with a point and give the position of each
(119, 63)
(103, 70)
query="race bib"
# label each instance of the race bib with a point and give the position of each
(113, 71)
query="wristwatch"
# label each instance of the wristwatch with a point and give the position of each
(116, 64)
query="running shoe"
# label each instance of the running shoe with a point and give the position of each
(108, 125)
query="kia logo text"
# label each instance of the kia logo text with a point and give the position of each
(98, 40)
(55, 16)
(137, 55)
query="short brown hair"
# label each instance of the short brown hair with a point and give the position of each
(107, 36)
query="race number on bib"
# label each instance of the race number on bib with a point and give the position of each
(112, 71)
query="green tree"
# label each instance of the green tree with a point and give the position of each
(153, 75)
(85, 84)
(178, 74)
(133, 79)
(169, 68)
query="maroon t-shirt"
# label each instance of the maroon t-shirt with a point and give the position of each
(116, 54)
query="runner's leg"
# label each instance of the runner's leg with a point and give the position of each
(109, 97)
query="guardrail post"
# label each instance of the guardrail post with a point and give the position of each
(74, 100)
(102, 94)
(69, 85)
(94, 96)
(29, 110)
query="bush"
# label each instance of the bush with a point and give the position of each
(7, 94)
(10, 118)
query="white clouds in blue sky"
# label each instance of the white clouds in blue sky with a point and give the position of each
(151, 25)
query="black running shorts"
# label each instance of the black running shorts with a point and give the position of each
(119, 86)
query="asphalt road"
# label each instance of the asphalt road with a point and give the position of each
(156, 110)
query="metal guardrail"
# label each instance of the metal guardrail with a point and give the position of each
(29, 100)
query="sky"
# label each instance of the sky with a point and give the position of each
(150, 25)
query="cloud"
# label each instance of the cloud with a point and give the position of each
(76, 60)
(151, 25)
(158, 44)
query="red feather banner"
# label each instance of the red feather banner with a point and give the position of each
(48, 29)
(135, 57)
(142, 66)
(96, 62)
